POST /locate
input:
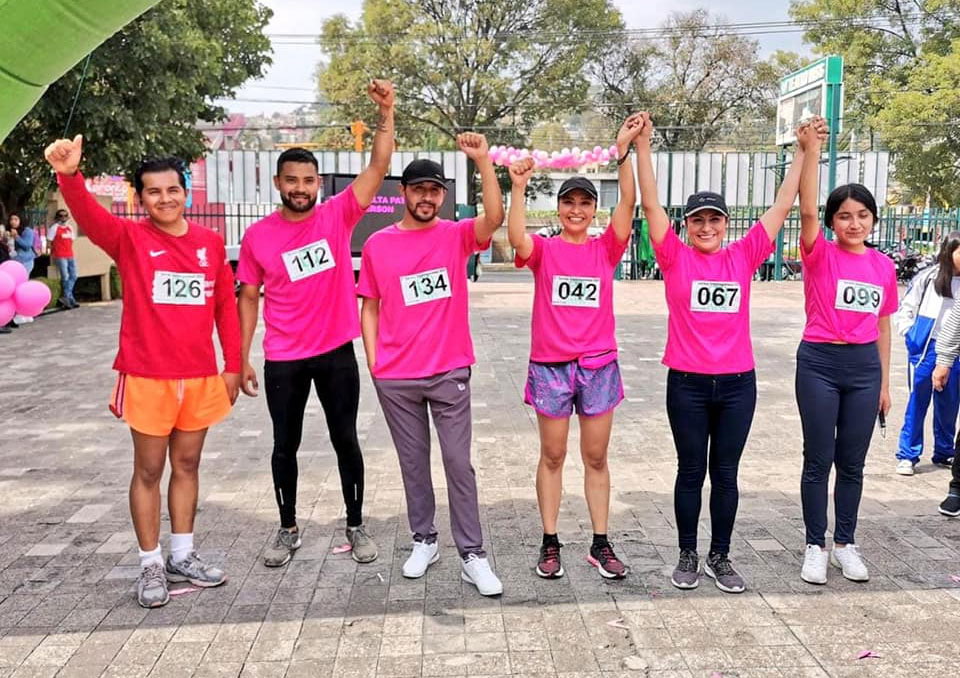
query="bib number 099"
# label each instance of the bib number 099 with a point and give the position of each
(420, 288)
(715, 297)
(861, 297)
(185, 289)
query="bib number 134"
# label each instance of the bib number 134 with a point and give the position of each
(853, 295)
(715, 297)
(420, 288)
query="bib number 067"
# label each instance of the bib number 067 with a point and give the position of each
(715, 297)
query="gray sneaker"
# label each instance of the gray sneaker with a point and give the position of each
(152, 587)
(719, 569)
(687, 573)
(284, 545)
(195, 571)
(363, 549)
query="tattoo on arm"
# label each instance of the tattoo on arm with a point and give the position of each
(382, 124)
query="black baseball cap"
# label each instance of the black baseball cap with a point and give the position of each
(421, 170)
(706, 200)
(578, 184)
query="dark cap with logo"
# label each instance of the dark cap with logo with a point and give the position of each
(578, 184)
(422, 170)
(706, 200)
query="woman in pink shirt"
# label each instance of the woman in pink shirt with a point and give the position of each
(573, 350)
(711, 385)
(843, 362)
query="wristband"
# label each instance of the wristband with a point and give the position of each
(623, 159)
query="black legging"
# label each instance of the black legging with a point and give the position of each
(337, 381)
(710, 417)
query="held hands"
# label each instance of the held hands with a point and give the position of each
(64, 155)
(521, 171)
(232, 380)
(629, 131)
(645, 134)
(812, 133)
(474, 145)
(381, 93)
(940, 377)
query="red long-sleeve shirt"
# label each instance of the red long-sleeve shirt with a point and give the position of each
(174, 289)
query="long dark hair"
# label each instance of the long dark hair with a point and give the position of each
(943, 283)
(857, 192)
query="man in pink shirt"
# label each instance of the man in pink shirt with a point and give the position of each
(300, 255)
(416, 335)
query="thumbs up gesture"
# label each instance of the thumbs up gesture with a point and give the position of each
(64, 155)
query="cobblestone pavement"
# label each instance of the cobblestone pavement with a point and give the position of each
(68, 556)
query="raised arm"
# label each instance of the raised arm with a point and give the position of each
(368, 182)
(100, 226)
(657, 219)
(520, 173)
(810, 142)
(622, 220)
(476, 148)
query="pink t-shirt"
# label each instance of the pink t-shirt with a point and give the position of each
(845, 293)
(420, 278)
(708, 296)
(310, 306)
(573, 296)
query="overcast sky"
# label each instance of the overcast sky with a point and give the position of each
(290, 78)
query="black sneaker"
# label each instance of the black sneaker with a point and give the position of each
(951, 505)
(549, 565)
(687, 573)
(946, 462)
(605, 560)
(719, 569)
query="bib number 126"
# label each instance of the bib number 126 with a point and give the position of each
(185, 289)
(420, 288)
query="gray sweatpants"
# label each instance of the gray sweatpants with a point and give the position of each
(404, 403)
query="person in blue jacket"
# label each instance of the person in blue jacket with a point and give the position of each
(926, 302)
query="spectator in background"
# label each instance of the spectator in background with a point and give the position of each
(13, 225)
(60, 235)
(6, 244)
(23, 243)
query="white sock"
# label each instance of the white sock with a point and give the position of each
(180, 546)
(151, 557)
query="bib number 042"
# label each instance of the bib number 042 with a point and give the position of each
(308, 260)
(861, 297)
(715, 297)
(573, 291)
(420, 288)
(183, 289)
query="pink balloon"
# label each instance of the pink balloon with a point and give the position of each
(31, 298)
(7, 286)
(7, 310)
(15, 270)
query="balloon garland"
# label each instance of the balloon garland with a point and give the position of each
(18, 294)
(568, 158)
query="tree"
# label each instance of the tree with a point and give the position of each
(900, 79)
(695, 81)
(465, 65)
(143, 92)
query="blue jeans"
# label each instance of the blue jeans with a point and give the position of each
(710, 416)
(838, 393)
(68, 276)
(946, 403)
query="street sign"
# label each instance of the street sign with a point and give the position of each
(810, 91)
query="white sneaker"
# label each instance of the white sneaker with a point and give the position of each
(905, 467)
(849, 561)
(476, 570)
(815, 565)
(424, 555)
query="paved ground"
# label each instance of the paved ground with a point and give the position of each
(68, 558)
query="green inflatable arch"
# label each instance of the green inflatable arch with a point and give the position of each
(40, 40)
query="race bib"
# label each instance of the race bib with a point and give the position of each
(308, 260)
(572, 291)
(182, 289)
(420, 288)
(853, 295)
(715, 296)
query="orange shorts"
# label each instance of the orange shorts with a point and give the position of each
(157, 406)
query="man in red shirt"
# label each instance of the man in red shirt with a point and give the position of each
(61, 235)
(177, 284)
